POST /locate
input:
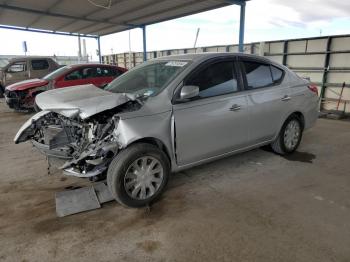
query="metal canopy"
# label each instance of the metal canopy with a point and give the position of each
(82, 17)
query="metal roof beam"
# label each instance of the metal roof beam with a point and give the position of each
(46, 31)
(126, 13)
(85, 16)
(38, 12)
(132, 10)
(47, 10)
(166, 10)
(236, 2)
(163, 20)
(132, 25)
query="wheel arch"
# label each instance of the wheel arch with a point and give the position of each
(156, 142)
(299, 114)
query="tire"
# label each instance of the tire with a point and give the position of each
(281, 145)
(125, 175)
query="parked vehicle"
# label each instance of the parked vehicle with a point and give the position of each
(170, 114)
(23, 68)
(22, 95)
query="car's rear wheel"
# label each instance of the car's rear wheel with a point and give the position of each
(289, 137)
(137, 176)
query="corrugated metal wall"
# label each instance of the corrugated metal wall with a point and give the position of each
(326, 60)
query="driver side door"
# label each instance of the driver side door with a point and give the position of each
(215, 122)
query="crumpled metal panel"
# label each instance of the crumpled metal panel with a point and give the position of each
(75, 201)
(83, 199)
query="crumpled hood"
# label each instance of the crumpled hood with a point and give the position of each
(83, 100)
(27, 84)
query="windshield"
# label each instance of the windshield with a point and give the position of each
(58, 72)
(149, 79)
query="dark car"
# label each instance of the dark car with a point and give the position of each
(21, 95)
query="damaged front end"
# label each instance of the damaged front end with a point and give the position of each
(84, 146)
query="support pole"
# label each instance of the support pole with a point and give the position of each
(99, 49)
(241, 27)
(325, 72)
(79, 49)
(144, 43)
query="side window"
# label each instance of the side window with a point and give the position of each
(41, 64)
(257, 74)
(216, 79)
(277, 74)
(74, 75)
(107, 72)
(17, 67)
(99, 72)
(90, 72)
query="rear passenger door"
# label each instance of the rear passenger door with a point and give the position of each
(215, 122)
(268, 98)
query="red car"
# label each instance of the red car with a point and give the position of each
(21, 95)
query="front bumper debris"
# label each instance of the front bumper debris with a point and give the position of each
(18, 100)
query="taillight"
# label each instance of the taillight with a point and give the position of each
(313, 88)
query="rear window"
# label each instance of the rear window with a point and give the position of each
(257, 74)
(107, 72)
(277, 74)
(40, 64)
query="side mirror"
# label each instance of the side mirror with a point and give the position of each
(189, 92)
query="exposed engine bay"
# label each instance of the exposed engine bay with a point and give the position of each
(87, 146)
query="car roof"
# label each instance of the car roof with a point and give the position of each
(204, 56)
(91, 64)
(29, 58)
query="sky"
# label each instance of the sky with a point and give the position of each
(265, 20)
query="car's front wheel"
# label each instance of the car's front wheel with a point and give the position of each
(137, 176)
(289, 137)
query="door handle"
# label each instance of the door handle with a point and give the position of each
(286, 98)
(235, 107)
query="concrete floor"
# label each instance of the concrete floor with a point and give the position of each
(256, 206)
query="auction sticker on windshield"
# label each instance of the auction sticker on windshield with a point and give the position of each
(176, 63)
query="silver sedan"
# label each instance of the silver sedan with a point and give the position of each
(169, 114)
